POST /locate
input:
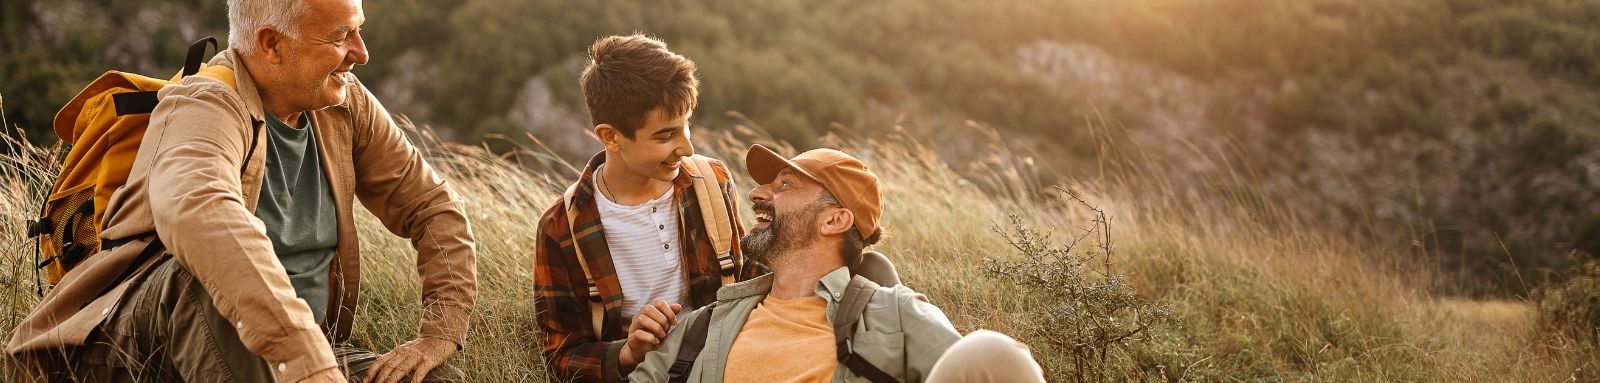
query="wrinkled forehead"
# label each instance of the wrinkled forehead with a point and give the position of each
(328, 16)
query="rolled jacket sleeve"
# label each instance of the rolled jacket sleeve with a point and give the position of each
(200, 214)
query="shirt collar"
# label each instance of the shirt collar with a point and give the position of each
(754, 286)
(832, 285)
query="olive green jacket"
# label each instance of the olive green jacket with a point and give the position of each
(900, 332)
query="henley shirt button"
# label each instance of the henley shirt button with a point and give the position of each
(282, 367)
(652, 209)
(661, 227)
(665, 246)
(240, 325)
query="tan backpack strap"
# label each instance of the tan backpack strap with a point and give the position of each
(714, 210)
(219, 73)
(596, 310)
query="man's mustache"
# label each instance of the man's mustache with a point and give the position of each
(764, 207)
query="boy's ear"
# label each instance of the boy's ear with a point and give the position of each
(608, 135)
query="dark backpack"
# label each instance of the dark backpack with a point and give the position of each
(851, 306)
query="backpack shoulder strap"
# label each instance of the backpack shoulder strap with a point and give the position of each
(597, 311)
(141, 102)
(219, 73)
(851, 306)
(193, 63)
(694, 340)
(714, 210)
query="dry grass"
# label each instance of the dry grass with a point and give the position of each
(1261, 293)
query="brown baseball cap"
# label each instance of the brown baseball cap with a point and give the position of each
(842, 174)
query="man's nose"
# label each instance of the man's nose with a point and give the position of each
(760, 194)
(358, 53)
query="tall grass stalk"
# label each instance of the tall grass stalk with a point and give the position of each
(1258, 293)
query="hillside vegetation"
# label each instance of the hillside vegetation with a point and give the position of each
(1235, 287)
(1316, 190)
(1458, 128)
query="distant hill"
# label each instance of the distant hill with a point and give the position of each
(1460, 129)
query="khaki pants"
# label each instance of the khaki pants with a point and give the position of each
(166, 330)
(986, 356)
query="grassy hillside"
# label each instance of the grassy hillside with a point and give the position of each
(1250, 289)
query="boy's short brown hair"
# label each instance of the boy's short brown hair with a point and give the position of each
(628, 76)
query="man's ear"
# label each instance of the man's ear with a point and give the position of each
(269, 42)
(836, 221)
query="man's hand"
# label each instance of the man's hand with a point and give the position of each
(647, 331)
(331, 375)
(414, 359)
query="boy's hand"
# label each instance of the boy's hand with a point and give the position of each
(646, 331)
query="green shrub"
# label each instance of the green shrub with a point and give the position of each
(1091, 324)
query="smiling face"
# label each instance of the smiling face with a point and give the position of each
(654, 151)
(310, 71)
(787, 212)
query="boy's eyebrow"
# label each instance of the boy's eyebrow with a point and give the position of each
(668, 129)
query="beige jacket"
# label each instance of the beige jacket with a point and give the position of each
(195, 182)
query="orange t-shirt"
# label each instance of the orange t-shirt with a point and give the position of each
(784, 340)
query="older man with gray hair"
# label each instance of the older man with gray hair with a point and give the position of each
(231, 254)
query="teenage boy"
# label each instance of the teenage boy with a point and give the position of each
(630, 244)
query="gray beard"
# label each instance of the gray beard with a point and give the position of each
(780, 239)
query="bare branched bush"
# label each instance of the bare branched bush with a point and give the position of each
(1080, 306)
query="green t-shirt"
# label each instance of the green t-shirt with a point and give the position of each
(296, 205)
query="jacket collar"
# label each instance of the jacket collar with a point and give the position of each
(248, 92)
(830, 287)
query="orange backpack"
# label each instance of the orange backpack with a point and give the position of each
(104, 124)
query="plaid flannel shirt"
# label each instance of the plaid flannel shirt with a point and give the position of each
(572, 347)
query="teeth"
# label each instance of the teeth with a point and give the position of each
(763, 217)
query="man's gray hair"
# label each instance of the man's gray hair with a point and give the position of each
(246, 16)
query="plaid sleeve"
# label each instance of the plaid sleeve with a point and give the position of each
(571, 348)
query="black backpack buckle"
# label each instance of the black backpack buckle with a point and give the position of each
(679, 370)
(38, 227)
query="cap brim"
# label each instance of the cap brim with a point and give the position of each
(764, 164)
